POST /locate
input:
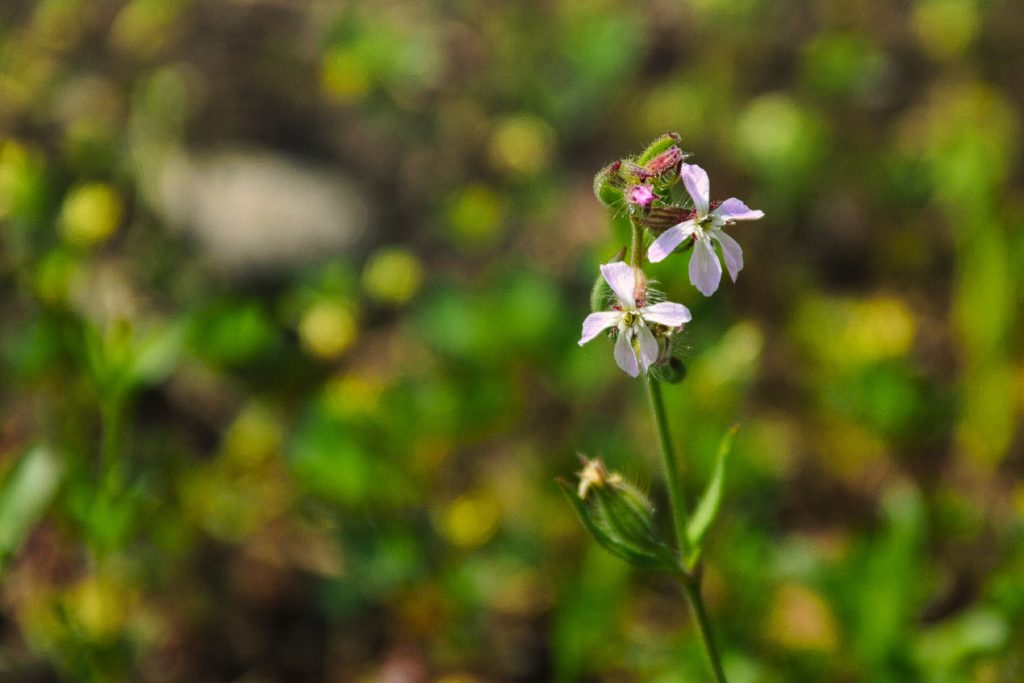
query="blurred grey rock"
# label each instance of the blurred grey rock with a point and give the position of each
(260, 211)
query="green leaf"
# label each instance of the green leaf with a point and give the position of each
(707, 509)
(25, 495)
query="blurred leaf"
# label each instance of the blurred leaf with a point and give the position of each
(233, 332)
(945, 649)
(586, 622)
(26, 493)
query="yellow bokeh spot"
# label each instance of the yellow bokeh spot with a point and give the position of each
(471, 519)
(144, 26)
(55, 276)
(98, 607)
(393, 276)
(475, 214)
(328, 329)
(858, 331)
(945, 28)
(352, 395)
(800, 619)
(15, 165)
(91, 214)
(344, 76)
(254, 436)
(522, 144)
(769, 128)
(459, 678)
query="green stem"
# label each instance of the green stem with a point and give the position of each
(111, 439)
(676, 494)
(692, 588)
(636, 250)
(680, 518)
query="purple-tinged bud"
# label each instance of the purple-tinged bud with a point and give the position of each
(664, 162)
(661, 144)
(633, 172)
(641, 195)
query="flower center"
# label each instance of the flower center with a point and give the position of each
(629, 318)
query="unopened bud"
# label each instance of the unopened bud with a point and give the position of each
(671, 372)
(666, 162)
(633, 172)
(620, 517)
(641, 196)
(609, 184)
(660, 144)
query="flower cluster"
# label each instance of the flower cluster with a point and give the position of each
(645, 187)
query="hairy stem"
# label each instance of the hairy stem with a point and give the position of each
(636, 250)
(680, 519)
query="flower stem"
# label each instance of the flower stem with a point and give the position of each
(680, 518)
(636, 249)
(676, 494)
(707, 638)
(112, 426)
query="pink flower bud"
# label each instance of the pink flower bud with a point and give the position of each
(640, 195)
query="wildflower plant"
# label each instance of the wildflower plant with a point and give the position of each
(669, 205)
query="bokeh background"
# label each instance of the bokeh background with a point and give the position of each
(289, 296)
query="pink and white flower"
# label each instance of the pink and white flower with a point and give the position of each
(633, 320)
(706, 225)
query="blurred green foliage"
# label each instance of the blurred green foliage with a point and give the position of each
(340, 465)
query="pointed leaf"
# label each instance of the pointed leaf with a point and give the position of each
(707, 509)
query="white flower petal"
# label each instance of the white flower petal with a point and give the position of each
(732, 252)
(733, 209)
(624, 355)
(669, 240)
(666, 313)
(705, 270)
(621, 278)
(648, 347)
(595, 323)
(697, 183)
